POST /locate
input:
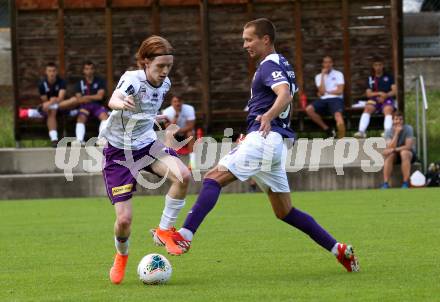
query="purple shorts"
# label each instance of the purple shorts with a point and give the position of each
(120, 181)
(93, 108)
(379, 106)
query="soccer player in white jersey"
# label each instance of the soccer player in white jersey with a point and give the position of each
(131, 139)
(261, 155)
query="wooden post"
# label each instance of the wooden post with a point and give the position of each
(206, 93)
(109, 45)
(155, 12)
(298, 47)
(397, 49)
(60, 27)
(13, 18)
(347, 57)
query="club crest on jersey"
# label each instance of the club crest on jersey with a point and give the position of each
(142, 93)
(277, 75)
(130, 90)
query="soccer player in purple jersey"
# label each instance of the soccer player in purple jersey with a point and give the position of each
(261, 155)
(137, 98)
(380, 92)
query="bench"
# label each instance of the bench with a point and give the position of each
(35, 128)
(220, 119)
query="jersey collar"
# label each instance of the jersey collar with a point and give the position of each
(271, 57)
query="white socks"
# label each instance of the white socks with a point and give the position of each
(80, 131)
(121, 245)
(335, 249)
(170, 212)
(192, 160)
(388, 122)
(53, 134)
(188, 235)
(364, 122)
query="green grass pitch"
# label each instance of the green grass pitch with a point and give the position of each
(61, 250)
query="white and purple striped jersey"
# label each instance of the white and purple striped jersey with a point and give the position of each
(273, 70)
(134, 130)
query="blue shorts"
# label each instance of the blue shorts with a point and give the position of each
(328, 106)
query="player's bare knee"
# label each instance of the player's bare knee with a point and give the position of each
(124, 221)
(186, 177)
(369, 109)
(211, 174)
(310, 109)
(182, 181)
(405, 155)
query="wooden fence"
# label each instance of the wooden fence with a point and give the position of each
(211, 70)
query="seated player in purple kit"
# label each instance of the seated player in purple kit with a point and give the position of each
(261, 155)
(132, 146)
(90, 92)
(381, 91)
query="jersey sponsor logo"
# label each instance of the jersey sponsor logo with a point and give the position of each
(276, 75)
(385, 79)
(122, 189)
(291, 74)
(130, 90)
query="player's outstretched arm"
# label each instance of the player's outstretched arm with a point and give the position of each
(284, 98)
(118, 101)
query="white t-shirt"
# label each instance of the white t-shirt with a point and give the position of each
(134, 129)
(332, 80)
(186, 114)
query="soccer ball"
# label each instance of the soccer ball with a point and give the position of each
(154, 269)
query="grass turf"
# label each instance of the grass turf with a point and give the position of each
(61, 250)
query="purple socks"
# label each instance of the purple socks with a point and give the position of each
(208, 197)
(308, 225)
(206, 200)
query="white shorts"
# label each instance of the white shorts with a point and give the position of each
(262, 159)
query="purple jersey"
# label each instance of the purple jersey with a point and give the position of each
(272, 71)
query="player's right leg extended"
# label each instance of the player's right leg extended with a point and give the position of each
(122, 233)
(282, 207)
